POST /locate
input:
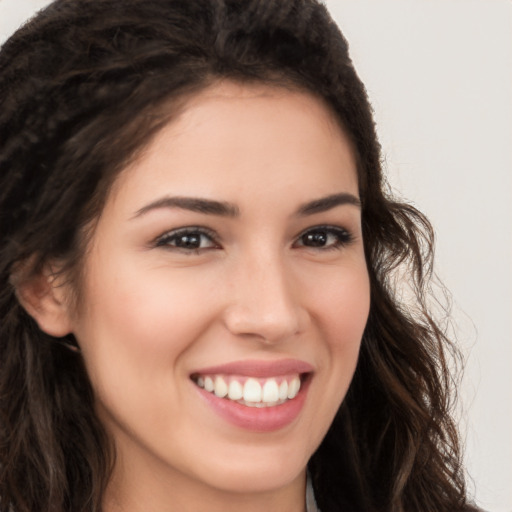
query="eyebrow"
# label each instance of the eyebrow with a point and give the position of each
(194, 204)
(225, 209)
(327, 203)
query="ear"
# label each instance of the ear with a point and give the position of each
(44, 298)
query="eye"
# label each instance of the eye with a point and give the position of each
(324, 237)
(188, 239)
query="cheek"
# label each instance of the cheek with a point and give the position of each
(135, 340)
(341, 303)
(343, 308)
(149, 308)
(138, 327)
(349, 322)
(348, 313)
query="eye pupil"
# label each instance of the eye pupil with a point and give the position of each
(189, 241)
(315, 239)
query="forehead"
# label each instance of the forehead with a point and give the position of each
(233, 137)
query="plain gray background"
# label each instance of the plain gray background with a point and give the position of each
(439, 75)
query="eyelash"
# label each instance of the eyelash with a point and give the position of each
(341, 235)
(166, 239)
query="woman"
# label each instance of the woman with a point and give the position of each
(198, 258)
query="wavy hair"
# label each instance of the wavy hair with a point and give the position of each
(83, 87)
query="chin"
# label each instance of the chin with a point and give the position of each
(256, 469)
(251, 478)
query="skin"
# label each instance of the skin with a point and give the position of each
(150, 313)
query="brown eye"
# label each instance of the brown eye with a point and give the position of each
(328, 237)
(187, 240)
(315, 239)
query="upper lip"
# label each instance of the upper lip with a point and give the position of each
(258, 368)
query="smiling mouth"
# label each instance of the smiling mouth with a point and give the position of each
(252, 391)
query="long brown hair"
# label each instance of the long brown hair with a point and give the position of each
(83, 87)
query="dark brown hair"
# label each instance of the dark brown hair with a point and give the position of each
(83, 87)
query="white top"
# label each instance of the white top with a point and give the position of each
(311, 505)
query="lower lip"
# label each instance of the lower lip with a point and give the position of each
(257, 419)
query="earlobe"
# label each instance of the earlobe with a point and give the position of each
(43, 296)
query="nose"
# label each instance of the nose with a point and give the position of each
(264, 302)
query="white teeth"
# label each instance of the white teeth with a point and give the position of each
(252, 391)
(283, 390)
(294, 387)
(208, 384)
(270, 391)
(221, 388)
(235, 390)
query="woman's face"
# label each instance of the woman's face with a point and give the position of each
(228, 259)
